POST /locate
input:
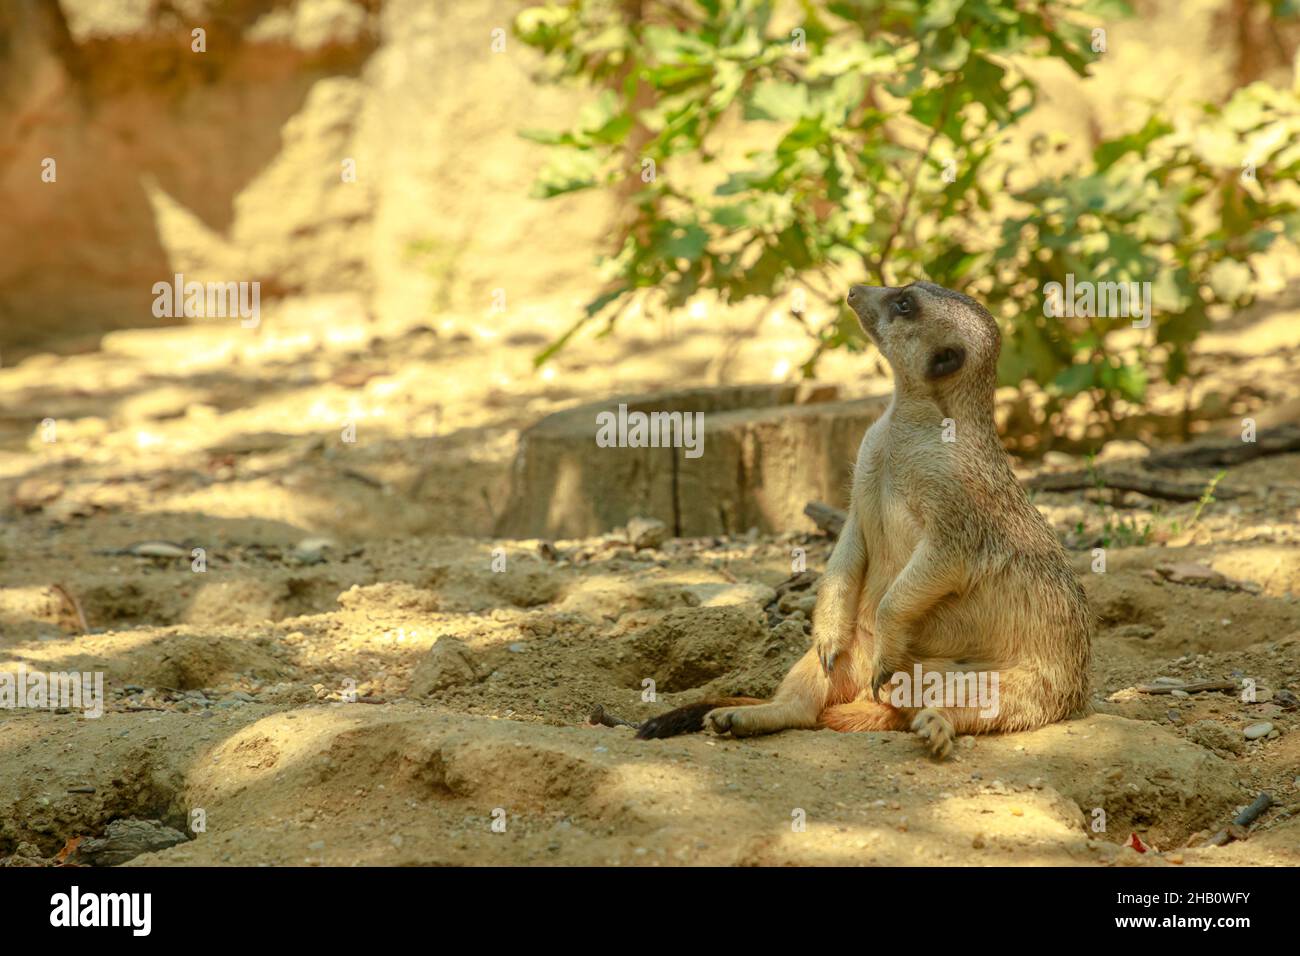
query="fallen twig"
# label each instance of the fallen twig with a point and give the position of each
(829, 519)
(1192, 687)
(74, 605)
(1231, 451)
(1237, 829)
(1143, 484)
(362, 477)
(601, 716)
(1205, 454)
(1202, 576)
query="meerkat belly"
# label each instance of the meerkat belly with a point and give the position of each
(975, 623)
(989, 621)
(965, 627)
(892, 535)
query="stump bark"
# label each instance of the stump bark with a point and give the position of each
(765, 455)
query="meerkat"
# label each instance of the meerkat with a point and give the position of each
(943, 566)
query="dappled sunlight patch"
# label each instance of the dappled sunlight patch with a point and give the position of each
(272, 746)
(1275, 567)
(1011, 821)
(148, 656)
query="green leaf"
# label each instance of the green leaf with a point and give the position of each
(1107, 152)
(1076, 379)
(938, 14)
(947, 52)
(1128, 381)
(774, 100)
(545, 136)
(568, 171)
(675, 241)
(745, 215)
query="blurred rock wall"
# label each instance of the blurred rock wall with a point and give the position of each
(227, 164)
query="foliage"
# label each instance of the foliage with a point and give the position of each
(884, 124)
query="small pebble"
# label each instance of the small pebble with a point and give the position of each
(1255, 731)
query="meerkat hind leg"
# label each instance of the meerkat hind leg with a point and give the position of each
(1022, 703)
(759, 719)
(798, 702)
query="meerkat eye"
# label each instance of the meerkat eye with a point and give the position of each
(903, 305)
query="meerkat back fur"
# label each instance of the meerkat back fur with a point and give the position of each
(942, 563)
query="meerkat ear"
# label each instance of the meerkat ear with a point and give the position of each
(945, 361)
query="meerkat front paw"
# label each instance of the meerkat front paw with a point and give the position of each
(936, 730)
(829, 645)
(720, 720)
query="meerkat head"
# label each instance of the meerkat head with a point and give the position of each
(935, 340)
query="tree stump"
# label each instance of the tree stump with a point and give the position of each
(764, 455)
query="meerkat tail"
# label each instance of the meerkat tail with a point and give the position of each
(860, 715)
(688, 719)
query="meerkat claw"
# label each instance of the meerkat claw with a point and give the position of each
(936, 731)
(880, 677)
(718, 720)
(828, 661)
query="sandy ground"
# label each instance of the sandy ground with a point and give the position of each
(230, 690)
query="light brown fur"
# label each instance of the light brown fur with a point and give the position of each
(942, 559)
